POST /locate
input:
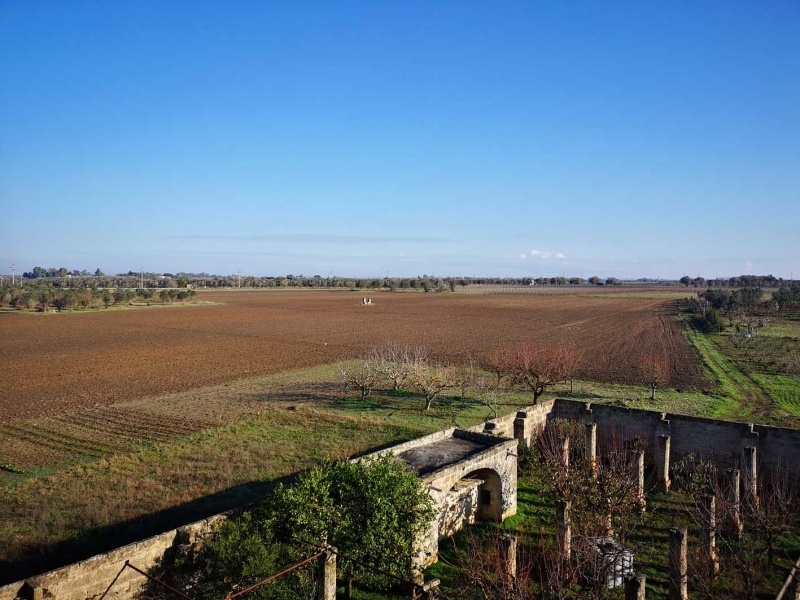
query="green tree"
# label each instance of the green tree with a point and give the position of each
(241, 553)
(373, 510)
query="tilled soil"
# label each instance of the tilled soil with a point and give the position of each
(50, 364)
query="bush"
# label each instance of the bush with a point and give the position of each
(241, 553)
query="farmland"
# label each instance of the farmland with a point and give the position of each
(119, 424)
(55, 363)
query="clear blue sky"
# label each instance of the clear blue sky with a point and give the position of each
(627, 139)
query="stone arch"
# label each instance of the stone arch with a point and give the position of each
(490, 495)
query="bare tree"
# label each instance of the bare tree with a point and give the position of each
(488, 393)
(498, 362)
(484, 570)
(654, 373)
(432, 380)
(396, 361)
(539, 368)
(363, 376)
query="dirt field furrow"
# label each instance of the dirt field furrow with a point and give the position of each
(52, 364)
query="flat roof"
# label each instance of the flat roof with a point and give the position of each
(430, 457)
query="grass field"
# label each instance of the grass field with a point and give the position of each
(747, 386)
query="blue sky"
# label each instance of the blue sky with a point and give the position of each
(364, 138)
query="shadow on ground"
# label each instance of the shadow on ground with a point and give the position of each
(103, 539)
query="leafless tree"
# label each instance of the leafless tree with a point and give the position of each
(498, 362)
(363, 375)
(654, 373)
(538, 368)
(483, 570)
(432, 380)
(396, 361)
(487, 392)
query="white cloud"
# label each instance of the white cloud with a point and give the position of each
(546, 254)
(523, 256)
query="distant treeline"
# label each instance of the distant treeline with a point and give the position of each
(63, 277)
(741, 281)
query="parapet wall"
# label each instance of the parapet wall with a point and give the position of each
(537, 416)
(90, 578)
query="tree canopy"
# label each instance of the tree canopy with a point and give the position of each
(373, 510)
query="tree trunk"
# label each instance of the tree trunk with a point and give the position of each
(428, 403)
(652, 392)
(348, 588)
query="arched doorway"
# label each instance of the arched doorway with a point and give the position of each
(490, 495)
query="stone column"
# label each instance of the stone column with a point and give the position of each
(591, 446)
(508, 555)
(664, 443)
(635, 587)
(521, 431)
(708, 535)
(563, 528)
(735, 517)
(327, 575)
(638, 459)
(678, 577)
(750, 466)
(563, 451)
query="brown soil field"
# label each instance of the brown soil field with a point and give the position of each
(50, 364)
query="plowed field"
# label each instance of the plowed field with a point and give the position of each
(50, 364)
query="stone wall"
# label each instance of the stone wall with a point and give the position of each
(778, 448)
(90, 578)
(537, 416)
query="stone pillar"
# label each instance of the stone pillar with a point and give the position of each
(563, 528)
(508, 555)
(750, 466)
(591, 446)
(521, 431)
(638, 460)
(664, 443)
(708, 535)
(678, 577)
(327, 575)
(735, 517)
(635, 587)
(563, 451)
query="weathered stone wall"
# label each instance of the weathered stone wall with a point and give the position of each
(778, 448)
(91, 577)
(459, 507)
(537, 416)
